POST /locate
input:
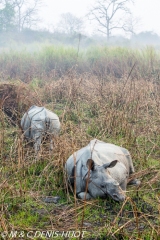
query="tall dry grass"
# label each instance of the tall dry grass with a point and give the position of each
(53, 62)
(124, 112)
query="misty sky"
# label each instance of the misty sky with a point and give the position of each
(145, 10)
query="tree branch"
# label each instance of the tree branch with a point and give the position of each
(106, 11)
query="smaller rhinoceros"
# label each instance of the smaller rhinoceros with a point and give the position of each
(38, 122)
(99, 170)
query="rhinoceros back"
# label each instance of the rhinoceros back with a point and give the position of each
(52, 122)
(101, 153)
(39, 119)
(108, 152)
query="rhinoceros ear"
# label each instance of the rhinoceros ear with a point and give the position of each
(110, 164)
(90, 164)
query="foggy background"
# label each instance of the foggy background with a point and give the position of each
(76, 23)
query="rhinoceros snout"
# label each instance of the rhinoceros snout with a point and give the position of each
(119, 198)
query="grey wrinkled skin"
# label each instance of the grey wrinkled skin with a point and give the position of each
(103, 167)
(38, 122)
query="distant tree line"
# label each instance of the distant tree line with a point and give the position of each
(109, 15)
(18, 14)
(19, 20)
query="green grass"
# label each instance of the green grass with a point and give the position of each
(122, 112)
(52, 62)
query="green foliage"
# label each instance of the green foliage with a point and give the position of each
(93, 130)
(7, 15)
(24, 219)
(59, 58)
(96, 104)
(35, 83)
(51, 62)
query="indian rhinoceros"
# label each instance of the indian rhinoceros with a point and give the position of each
(99, 170)
(38, 122)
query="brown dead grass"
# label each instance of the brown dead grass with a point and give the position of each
(124, 112)
(16, 98)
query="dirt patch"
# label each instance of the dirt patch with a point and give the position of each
(15, 99)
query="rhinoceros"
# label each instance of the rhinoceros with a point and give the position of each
(100, 170)
(38, 122)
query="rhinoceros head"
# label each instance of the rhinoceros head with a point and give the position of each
(100, 182)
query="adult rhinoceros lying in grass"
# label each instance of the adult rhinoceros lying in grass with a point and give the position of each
(101, 168)
(38, 122)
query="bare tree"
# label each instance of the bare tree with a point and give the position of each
(26, 13)
(111, 15)
(132, 24)
(70, 24)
